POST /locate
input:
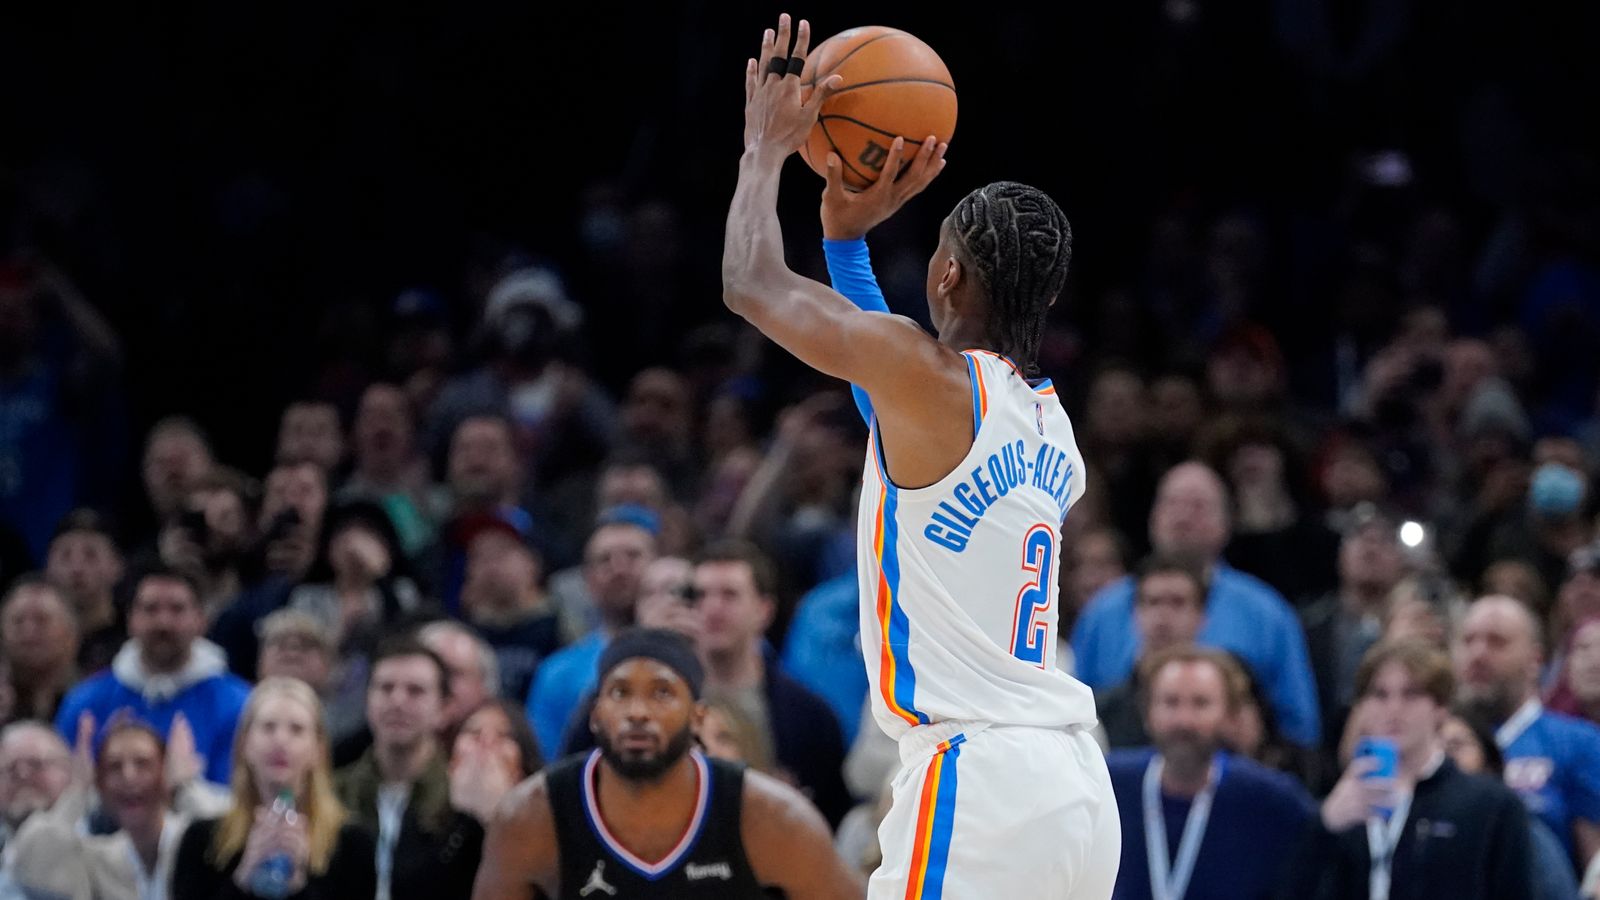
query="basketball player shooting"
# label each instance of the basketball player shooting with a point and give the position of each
(970, 470)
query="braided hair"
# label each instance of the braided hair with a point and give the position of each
(1019, 242)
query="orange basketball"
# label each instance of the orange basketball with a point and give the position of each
(894, 86)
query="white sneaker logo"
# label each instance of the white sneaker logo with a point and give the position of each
(597, 882)
(710, 870)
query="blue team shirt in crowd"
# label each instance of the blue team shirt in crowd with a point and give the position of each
(39, 457)
(560, 684)
(823, 649)
(1554, 766)
(212, 707)
(1243, 614)
(1258, 818)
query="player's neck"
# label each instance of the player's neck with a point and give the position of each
(677, 787)
(735, 670)
(966, 334)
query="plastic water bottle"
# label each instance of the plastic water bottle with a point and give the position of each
(273, 875)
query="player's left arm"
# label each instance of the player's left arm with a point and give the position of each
(848, 215)
(789, 845)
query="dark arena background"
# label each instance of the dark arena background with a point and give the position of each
(1344, 254)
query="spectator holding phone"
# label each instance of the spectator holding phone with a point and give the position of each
(210, 536)
(290, 524)
(291, 518)
(1404, 822)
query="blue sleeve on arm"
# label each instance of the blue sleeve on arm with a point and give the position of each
(850, 269)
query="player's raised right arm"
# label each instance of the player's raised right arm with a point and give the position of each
(879, 352)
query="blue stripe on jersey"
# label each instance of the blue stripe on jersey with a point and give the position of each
(944, 819)
(972, 378)
(905, 678)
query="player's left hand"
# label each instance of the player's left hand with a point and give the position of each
(778, 114)
(849, 214)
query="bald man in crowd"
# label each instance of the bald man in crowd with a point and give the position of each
(1189, 521)
(1552, 761)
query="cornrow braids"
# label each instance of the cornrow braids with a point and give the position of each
(1019, 242)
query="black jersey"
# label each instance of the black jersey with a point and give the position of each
(707, 862)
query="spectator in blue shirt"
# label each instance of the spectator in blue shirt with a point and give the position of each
(165, 669)
(823, 648)
(1551, 760)
(1242, 820)
(1244, 615)
(614, 560)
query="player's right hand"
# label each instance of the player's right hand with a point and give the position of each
(847, 214)
(778, 113)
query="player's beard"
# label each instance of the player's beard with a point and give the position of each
(650, 766)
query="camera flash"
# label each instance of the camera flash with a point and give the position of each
(1411, 534)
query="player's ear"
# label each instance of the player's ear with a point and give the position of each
(951, 277)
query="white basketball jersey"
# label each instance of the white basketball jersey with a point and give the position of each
(959, 579)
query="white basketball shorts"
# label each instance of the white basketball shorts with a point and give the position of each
(989, 811)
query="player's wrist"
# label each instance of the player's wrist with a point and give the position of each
(763, 156)
(838, 238)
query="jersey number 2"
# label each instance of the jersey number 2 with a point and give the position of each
(1029, 635)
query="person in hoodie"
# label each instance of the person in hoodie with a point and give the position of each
(165, 668)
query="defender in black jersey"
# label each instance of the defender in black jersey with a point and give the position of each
(647, 815)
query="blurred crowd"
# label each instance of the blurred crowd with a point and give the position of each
(1342, 453)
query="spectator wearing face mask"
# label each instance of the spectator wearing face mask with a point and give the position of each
(558, 418)
(1554, 519)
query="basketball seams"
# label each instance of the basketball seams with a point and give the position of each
(829, 136)
(854, 121)
(846, 90)
(849, 53)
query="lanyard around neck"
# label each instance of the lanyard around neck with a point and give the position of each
(1170, 880)
(1513, 728)
(1382, 838)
